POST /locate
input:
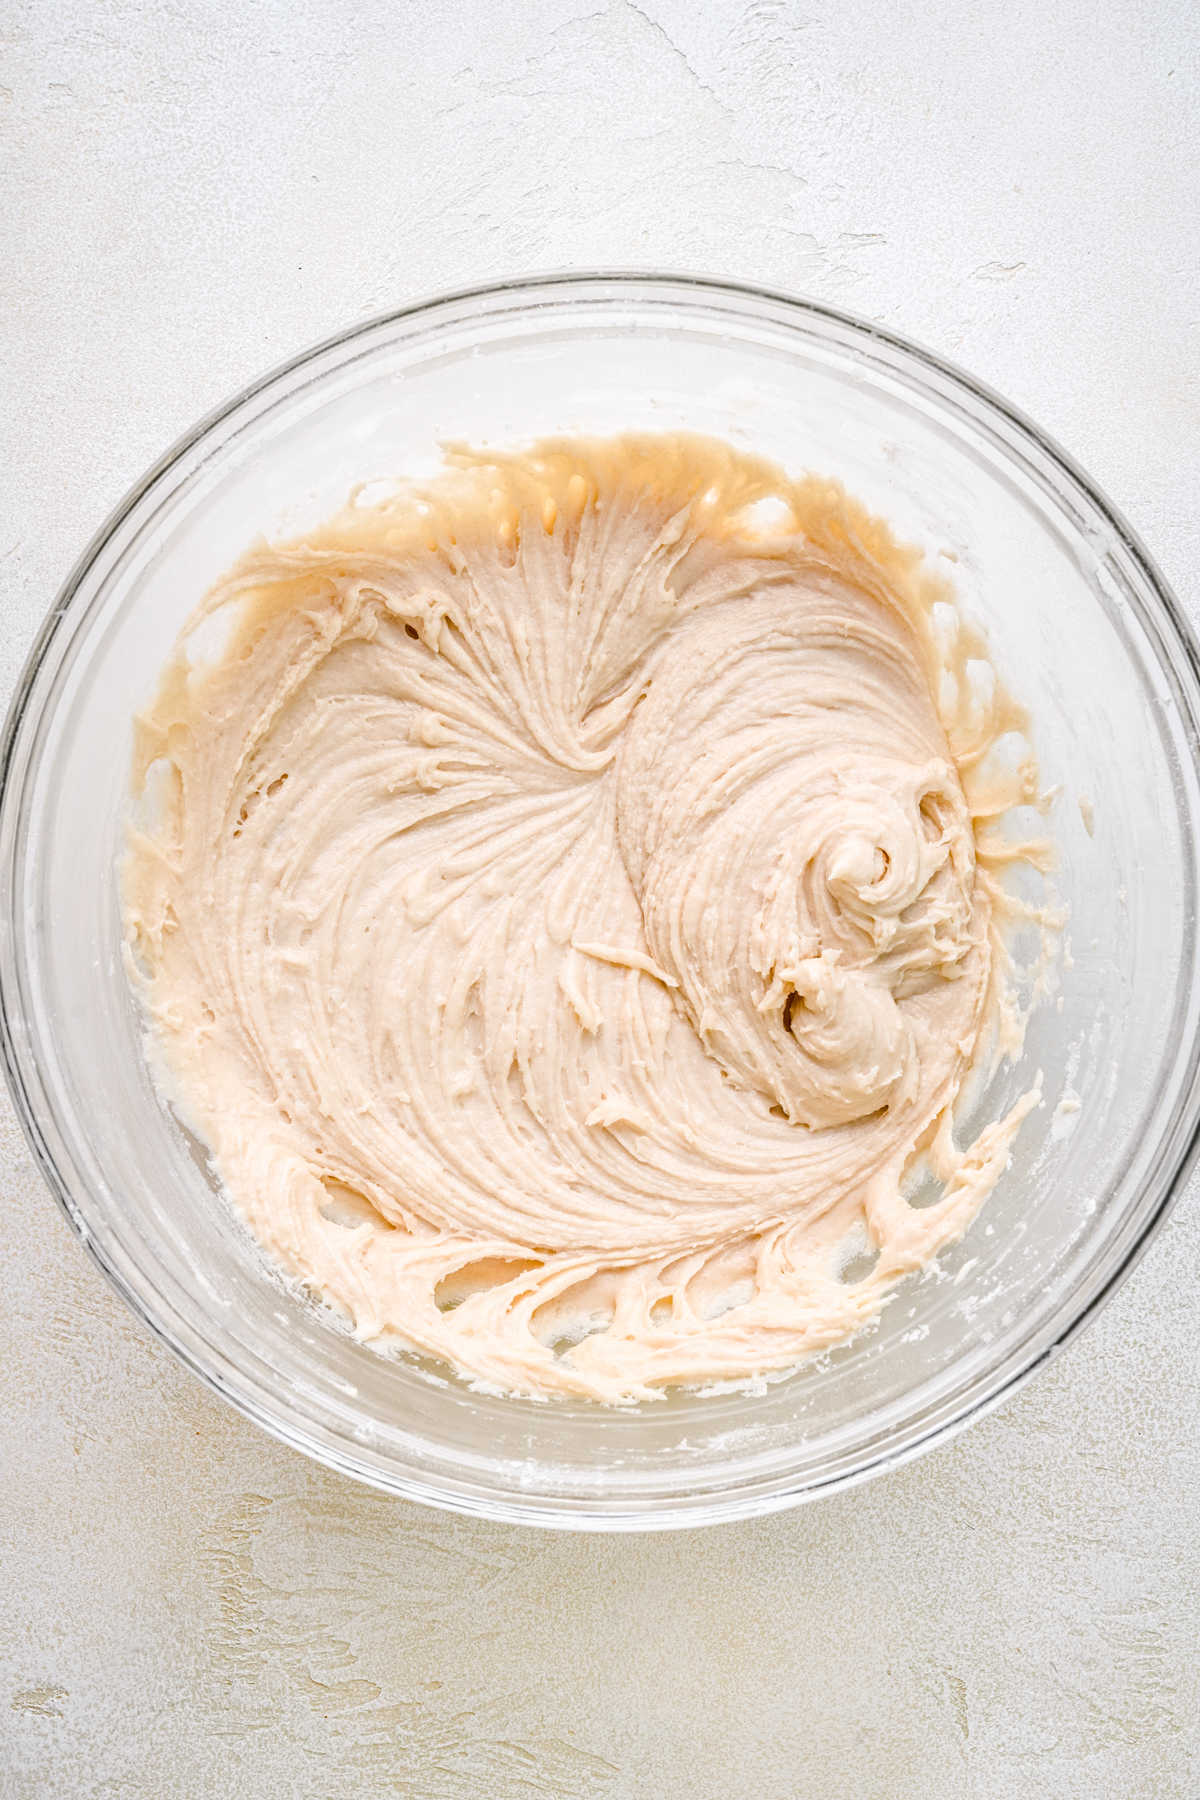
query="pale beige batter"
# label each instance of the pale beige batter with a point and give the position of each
(567, 907)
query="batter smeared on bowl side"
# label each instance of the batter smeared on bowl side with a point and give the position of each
(566, 905)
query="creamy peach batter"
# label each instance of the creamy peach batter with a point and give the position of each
(566, 904)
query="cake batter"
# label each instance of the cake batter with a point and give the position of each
(566, 904)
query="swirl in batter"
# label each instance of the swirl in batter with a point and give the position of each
(566, 906)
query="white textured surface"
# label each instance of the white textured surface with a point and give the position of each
(195, 190)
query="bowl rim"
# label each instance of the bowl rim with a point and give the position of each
(20, 1066)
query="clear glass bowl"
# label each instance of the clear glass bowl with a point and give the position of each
(1082, 628)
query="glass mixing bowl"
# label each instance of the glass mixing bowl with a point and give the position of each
(1082, 628)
